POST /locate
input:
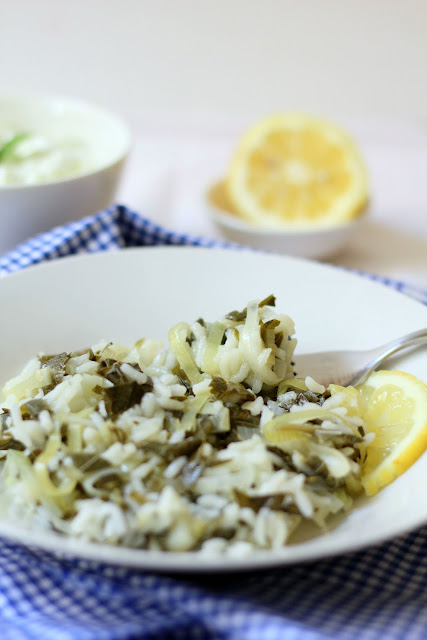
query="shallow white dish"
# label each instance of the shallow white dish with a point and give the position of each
(28, 209)
(316, 242)
(132, 293)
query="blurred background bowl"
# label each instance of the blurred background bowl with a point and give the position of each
(313, 242)
(29, 209)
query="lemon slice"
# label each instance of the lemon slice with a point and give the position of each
(297, 171)
(394, 407)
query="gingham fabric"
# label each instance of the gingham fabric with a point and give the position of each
(115, 228)
(376, 594)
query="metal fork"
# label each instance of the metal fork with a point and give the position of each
(353, 367)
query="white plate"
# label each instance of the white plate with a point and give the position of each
(122, 296)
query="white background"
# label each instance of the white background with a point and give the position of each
(222, 57)
(189, 75)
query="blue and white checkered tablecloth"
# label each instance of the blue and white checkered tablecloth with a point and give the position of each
(376, 594)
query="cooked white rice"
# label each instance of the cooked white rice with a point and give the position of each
(165, 448)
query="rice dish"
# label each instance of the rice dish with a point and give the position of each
(209, 443)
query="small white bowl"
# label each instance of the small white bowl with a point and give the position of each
(316, 242)
(29, 209)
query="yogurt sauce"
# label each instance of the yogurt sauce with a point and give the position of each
(28, 158)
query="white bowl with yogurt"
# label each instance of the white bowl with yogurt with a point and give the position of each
(60, 159)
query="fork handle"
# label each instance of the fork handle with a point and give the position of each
(410, 340)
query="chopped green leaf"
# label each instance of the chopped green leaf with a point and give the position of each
(31, 409)
(8, 148)
(124, 396)
(269, 301)
(8, 442)
(57, 364)
(230, 392)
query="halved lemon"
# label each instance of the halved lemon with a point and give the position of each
(394, 407)
(298, 171)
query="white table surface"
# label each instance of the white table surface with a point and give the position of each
(168, 171)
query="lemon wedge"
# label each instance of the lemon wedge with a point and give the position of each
(293, 170)
(394, 407)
